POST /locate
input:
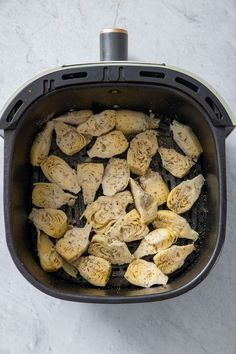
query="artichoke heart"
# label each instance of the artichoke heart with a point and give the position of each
(156, 240)
(129, 228)
(142, 148)
(57, 171)
(153, 184)
(41, 145)
(95, 270)
(116, 176)
(74, 243)
(113, 251)
(186, 139)
(98, 124)
(49, 259)
(89, 178)
(75, 117)
(51, 221)
(132, 122)
(144, 202)
(144, 274)
(107, 209)
(50, 195)
(172, 258)
(109, 145)
(69, 140)
(177, 164)
(185, 194)
(175, 223)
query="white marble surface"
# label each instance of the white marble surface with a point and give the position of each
(197, 35)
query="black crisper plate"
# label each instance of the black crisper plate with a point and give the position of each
(196, 216)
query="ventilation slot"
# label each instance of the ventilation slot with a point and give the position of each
(14, 110)
(186, 83)
(74, 75)
(214, 108)
(155, 74)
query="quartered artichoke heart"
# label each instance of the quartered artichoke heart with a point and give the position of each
(173, 258)
(49, 259)
(75, 117)
(109, 145)
(95, 270)
(186, 139)
(128, 228)
(185, 194)
(107, 209)
(50, 195)
(41, 145)
(153, 184)
(116, 176)
(74, 243)
(177, 164)
(89, 178)
(144, 202)
(132, 122)
(175, 223)
(51, 221)
(57, 171)
(155, 241)
(69, 140)
(144, 274)
(113, 251)
(98, 124)
(142, 148)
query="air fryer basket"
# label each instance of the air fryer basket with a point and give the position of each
(168, 93)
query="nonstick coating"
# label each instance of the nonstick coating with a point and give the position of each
(196, 216)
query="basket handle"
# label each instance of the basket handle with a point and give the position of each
(113, 44)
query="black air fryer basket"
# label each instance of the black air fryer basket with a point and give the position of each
(170, 93)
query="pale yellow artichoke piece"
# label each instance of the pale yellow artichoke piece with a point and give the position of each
(109, 145)
(49, 259)
(186, 139)
(144, 249)
(75, 117)
(185, 194)
(173, 258)
(98, 124)
(107, 209)
(113, 251)
(116, 176)
(57, 171)
(142, 148)
(69, 269)
(129, 228)
(175, 223)
(95, 270)
(144, 274)
(152, 121)
(51, 221)
(89, 178)
(155, 241)
(41, 145)
(144, 202)
(153, 183)
(74, 243)
(177, 164)
(132, 122)
(50, 195)
(69, 140)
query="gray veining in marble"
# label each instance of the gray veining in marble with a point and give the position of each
(199, 36)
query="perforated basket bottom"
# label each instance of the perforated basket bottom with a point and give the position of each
(196, 216)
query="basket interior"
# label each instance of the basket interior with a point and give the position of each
(166, 103)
